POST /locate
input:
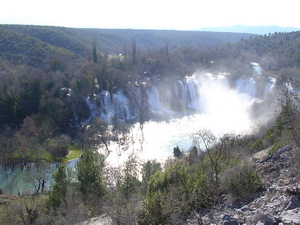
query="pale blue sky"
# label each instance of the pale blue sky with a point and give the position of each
(154, 14)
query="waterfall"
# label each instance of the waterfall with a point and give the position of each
(246, 86)
(153, 98)
(187, 91)
(190, 92)
(106, 106)
(201, 93)
(181, 90)
(192, 95)
(121, 106)
(256, 67)
(270, 85)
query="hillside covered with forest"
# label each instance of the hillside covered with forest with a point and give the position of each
(69, 93)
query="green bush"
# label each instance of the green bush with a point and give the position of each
(241, 182)
(173, 193)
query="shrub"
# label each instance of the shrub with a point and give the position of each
(173, 194)
(167, 195)
(241, 182)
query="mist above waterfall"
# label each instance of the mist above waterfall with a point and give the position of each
(226, 108)
(217, 102)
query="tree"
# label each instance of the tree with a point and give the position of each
(95, 57)
(96, 134)
(138, 101)
(130, 180)
(289, 117)
(59, 146)
(167, 198)
(32, 82)
(149, 169)
(62, 180)
(90, 74)
(9, 96)
(6, 147)
(78, 106)
(133, 48)
(55, 109)
(215, 149)
(25, 141)
(125, 55)
(89, 171)
(167, 43)
(39, 177)
(192, 157)
(176, 152)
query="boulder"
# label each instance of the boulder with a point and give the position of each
(290, 216)
(293, 203)
(268, 220)
(228, 220)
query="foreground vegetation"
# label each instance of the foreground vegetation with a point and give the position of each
(44, 87)
(186, 185)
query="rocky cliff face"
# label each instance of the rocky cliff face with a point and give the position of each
(277, 203)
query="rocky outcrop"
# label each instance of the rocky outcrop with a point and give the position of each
(278, 203)
(101, 220)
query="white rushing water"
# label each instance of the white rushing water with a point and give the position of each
(218, 107)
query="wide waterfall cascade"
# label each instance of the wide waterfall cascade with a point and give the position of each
(196, 93)
(216, 101)
(106, 106)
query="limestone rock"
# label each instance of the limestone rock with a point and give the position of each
(293, 203)
(228, 220)
(290, 216)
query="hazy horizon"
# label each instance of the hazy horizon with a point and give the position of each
(160, 15)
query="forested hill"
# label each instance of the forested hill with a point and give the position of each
(285, 47)
(28, 44)
(24, 49)
(276, 51)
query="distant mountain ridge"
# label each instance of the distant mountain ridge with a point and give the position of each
(261, 30)
(29, 44)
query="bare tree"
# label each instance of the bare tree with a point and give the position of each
(215, 149)
(10, 90)
(6, 147)
(95, 134)
(40, 177)
(138, 100)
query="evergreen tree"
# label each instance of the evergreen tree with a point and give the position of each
(90, 173)
(176, 152)
(57, 196)
(95, 57)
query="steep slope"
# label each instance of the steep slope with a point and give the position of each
(23, 49)
(58, 36)
(279, 201)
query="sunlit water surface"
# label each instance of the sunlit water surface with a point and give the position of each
(223, 112)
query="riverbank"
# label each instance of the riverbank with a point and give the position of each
(19, 181)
